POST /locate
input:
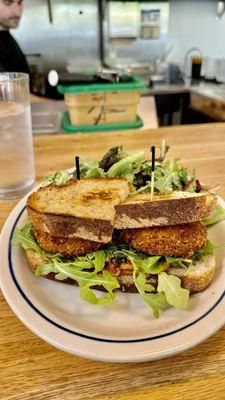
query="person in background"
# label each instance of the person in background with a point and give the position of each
(12, 58)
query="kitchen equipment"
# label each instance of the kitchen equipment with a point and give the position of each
(78, 78)
(64, 32)
(103, 103)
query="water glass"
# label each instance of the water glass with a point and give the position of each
(17, 173)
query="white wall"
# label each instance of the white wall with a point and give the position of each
(193, 23)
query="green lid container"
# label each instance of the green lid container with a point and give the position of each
(134, 84)
(68, 128)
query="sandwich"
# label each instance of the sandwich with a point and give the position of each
(104, 231)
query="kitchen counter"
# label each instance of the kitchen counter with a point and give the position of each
(44, 108)
(34, 370)
(209, 100)
(205, 97)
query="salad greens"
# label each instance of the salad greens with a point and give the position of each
(218, 215)
(174, 293)
(89, 271)
(25, 237)
(169, 175)
(208, 248)
(57, 178)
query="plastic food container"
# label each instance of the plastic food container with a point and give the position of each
(102, 103)
(68, 128)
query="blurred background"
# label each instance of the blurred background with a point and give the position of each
(176, 47)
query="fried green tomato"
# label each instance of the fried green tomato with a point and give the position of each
(69, 247)
(175, 241)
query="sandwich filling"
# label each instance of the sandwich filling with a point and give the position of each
(155, 262)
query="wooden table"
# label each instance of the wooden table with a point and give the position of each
(31, 369)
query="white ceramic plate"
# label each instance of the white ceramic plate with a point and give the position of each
(121, 332)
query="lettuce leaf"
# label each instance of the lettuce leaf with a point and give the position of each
(171, 286)
(95, 172)
(157, 302)
(170, 176)
(218, 215)
(85, 166)
(126, 166)
(57, 179)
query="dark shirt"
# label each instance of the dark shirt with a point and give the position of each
(12, 58)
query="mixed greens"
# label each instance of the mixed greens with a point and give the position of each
(136, 168)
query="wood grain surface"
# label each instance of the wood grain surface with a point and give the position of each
(31, 369)
(209, 105)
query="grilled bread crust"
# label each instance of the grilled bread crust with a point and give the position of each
(81, 209)
(178, 208)
(72, 227)
(197, 278)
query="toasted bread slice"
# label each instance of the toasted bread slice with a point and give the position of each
(83, 208)
(138, 211)
(196, 278)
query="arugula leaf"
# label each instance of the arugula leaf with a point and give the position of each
(57, 179)
(109, 282)
(85, 280)
(208, 248)
(98, 260)
(140, 282)
(181, 262)
(171, 286)
(218, 215)
(157, 301)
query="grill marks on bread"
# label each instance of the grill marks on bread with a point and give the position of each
(83, 209)
(87, 198)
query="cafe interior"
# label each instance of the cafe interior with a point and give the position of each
(133, 91)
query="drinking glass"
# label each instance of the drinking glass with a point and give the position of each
(17, 174)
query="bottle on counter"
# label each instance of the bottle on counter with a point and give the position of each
(196, 67)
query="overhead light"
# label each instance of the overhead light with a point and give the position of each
(220, 9)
